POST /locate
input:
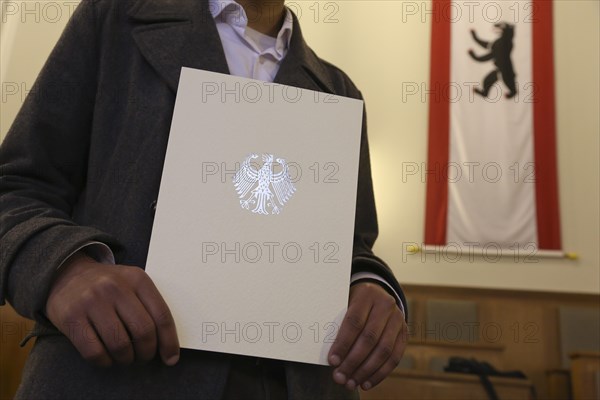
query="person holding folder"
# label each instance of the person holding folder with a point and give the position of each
(80, 173)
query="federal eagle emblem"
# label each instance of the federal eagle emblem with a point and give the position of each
(263, 190)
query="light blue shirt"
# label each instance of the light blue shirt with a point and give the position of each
(249, 53)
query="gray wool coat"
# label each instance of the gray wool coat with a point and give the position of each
(83, 161)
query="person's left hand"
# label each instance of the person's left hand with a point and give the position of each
(371, 340)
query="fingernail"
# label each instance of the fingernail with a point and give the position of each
(366, 385)
(173, 360)
(351, 385)
(339, 378)
(335, 360)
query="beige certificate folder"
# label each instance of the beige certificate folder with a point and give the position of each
(252, 239)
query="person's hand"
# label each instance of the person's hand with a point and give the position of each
(371, 340)
(111, 313)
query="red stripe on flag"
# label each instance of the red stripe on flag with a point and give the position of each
(544, 128)
(436, 207)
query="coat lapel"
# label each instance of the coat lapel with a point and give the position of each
(181, 33)
(177, 33)
(301, 67)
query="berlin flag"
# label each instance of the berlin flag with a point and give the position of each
(491, 170)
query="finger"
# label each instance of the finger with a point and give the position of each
(353, 323)
(168, 343)
(140, 326)
(382, 351)
(88, 344)
(113, 334)
(366, 342)
(389, 365)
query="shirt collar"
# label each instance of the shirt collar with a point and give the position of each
(232, 13)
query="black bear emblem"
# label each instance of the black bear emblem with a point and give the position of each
(499, 52)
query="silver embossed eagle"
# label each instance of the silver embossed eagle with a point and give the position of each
(263, 189)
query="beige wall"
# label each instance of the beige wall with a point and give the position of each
(383, 45)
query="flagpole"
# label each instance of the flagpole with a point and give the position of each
(481, 251)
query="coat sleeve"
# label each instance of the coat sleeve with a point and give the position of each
(365, 228)
(43, 163)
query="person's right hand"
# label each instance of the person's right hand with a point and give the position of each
(111, 313)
